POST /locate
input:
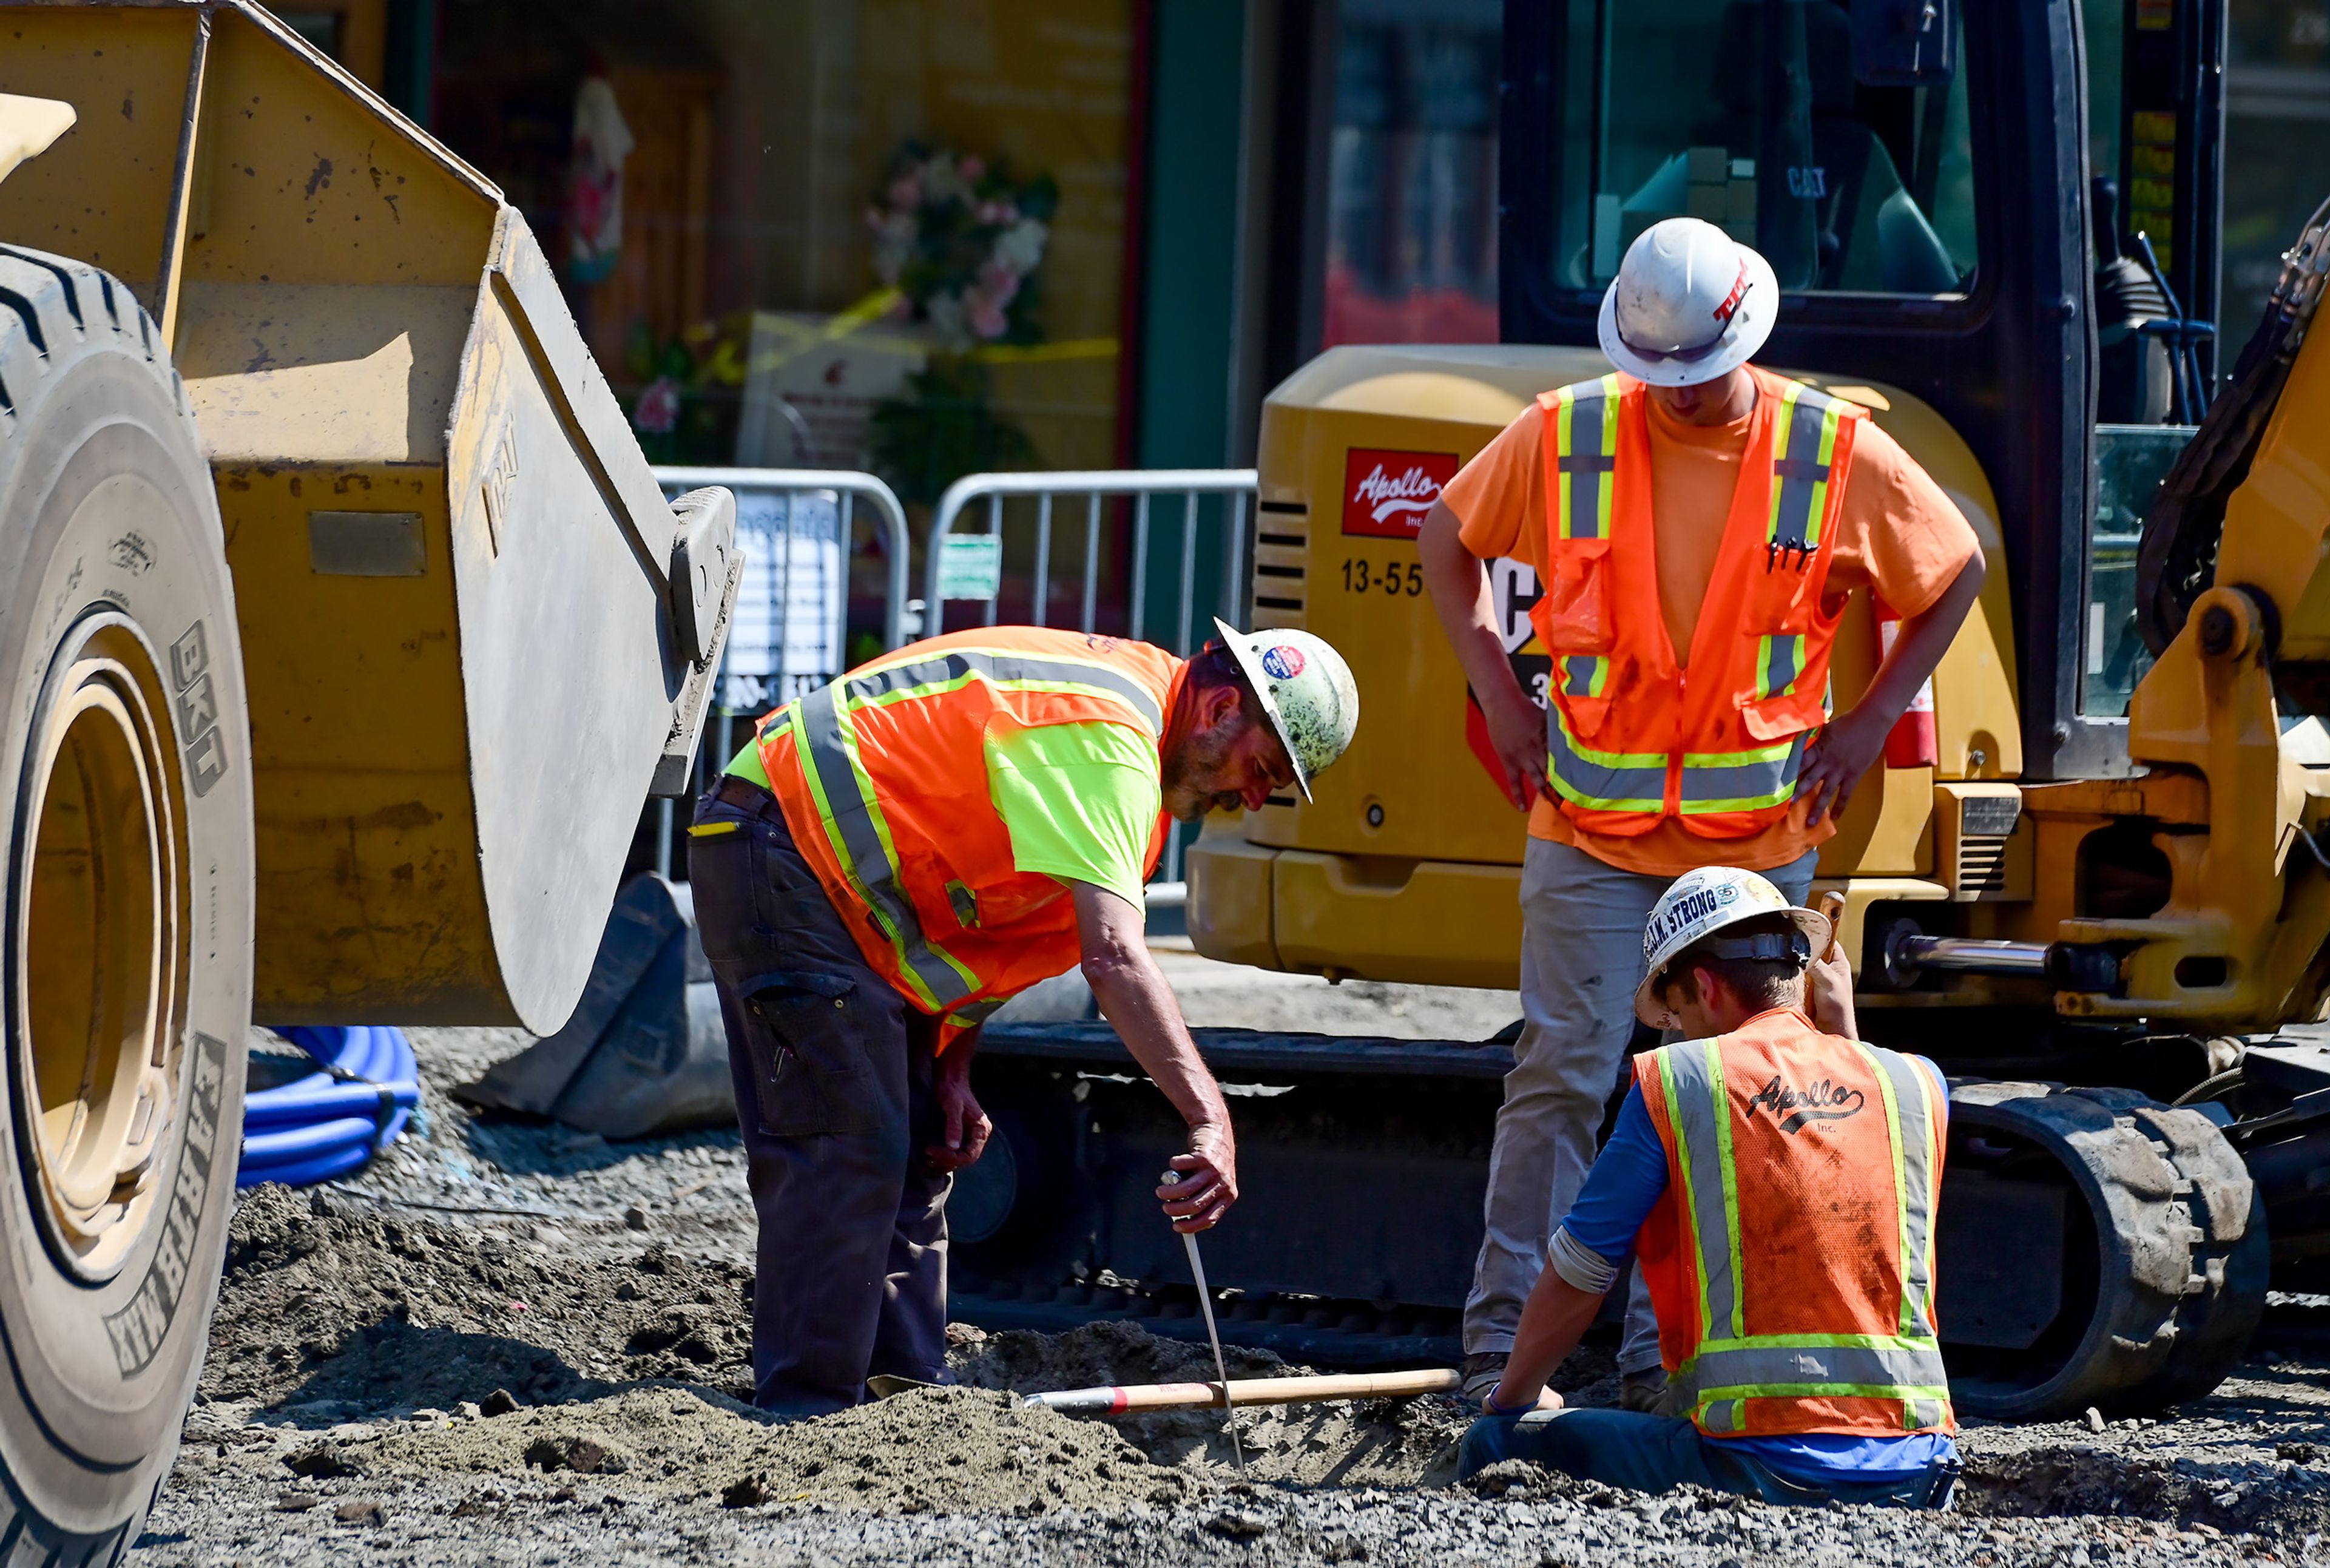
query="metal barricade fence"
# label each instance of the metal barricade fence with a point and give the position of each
(978, 497)
(796, 527)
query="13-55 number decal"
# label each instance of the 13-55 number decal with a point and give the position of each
(1392, 580)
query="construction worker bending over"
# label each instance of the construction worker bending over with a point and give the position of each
(897, 853)
(1696, 523)
(1777, 1186)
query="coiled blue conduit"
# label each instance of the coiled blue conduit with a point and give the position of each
(331, 1121)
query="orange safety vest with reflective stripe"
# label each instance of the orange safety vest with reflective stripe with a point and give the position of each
(883, 779)
(1790, 1260)
(1633, 734)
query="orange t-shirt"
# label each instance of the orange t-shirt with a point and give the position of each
(1896, 533)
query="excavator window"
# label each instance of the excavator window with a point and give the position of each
(1750, 114)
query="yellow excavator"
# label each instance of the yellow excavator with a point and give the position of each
(344, 631)
(2090, 878)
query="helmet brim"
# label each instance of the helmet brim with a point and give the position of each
(1259, 679)
(1751, 326)
(1811, 922)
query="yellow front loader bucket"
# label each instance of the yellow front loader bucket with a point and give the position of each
(476, 632)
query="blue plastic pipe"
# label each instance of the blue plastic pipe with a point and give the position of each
(333, 1120)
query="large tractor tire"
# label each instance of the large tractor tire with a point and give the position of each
(125, 773)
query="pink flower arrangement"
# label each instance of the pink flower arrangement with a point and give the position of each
(962, 241)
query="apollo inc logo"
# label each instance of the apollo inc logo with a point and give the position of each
(1386, 493)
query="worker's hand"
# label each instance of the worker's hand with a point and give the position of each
(1849, 747)
(966, 1126)
(1208, 1184)
(1517, 735)
(1829, 992)
(1511, 1403)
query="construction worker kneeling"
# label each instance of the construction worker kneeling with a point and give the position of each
(1777, 1188)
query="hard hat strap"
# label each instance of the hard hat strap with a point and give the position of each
(1772, 947)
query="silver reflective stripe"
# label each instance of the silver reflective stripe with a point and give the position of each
(1582, 467)
(1724, 1415)
(1921, 1413)
(1697, 1103)
(1601, 785)
(1780, 668)
(1755, 1366)
(1579, 671)
(1800, 470)
(821, 741)
(956, 663)
(1917, 1137)
(1752, 781)
(977, 1012)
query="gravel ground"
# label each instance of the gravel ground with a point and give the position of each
(507, 1343)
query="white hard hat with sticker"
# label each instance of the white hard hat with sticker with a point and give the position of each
(1689, 304)
(1700, 903)
(1305, 688)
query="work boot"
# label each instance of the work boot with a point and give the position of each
(1482, 1369)
(1645, 1391)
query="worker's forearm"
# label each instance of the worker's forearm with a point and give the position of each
(1461, 598)
(1554, 1319)
(1917, 650)
(1137, 1001)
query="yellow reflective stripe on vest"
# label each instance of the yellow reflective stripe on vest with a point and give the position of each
(1804, 448)
(1602, 781)
(1909, 1122)
(1729, 1366)
(1778, 661)
(1689, 1073)
(1585, 674)
(1585, 445)
(1742, 781)
(849, 810)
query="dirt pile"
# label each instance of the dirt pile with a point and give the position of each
(943, 1449)
(370, 1312)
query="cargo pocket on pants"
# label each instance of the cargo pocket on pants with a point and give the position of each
(809, 1068)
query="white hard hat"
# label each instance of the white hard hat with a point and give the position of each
(1305, 688)
(1701, 902)
(1689, 304)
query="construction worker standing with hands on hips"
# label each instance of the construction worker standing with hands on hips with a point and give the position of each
(892, 858)
(1777, 1187)
(1696, 523)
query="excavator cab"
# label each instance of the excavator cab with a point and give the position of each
(1995, 227)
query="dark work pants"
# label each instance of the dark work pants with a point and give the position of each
(833, 1092)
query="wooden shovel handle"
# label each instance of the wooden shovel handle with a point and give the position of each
(1831, 904)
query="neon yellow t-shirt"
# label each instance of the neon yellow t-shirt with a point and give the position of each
(1079, 800)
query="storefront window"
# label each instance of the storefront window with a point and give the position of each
(1689, 109)
(1412, 193)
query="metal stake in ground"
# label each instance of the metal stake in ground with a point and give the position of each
(1206, 1306)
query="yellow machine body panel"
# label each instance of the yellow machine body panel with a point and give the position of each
(451, 562)
(1405, 865)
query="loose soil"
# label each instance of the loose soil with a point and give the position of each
(502, 1343)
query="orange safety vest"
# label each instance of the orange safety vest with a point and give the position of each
(1790, 1260)
(1632, 736)
(883, 779)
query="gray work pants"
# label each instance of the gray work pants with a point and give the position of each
(1581, 958)
(833, 1091)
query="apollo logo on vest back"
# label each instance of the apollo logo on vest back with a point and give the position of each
(1514, 590)
(1386, 493)
(1792, 1108)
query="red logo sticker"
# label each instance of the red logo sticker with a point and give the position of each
(1283, 663)
(1386, 493)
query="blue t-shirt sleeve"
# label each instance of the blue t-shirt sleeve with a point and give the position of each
(1626, 1181)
